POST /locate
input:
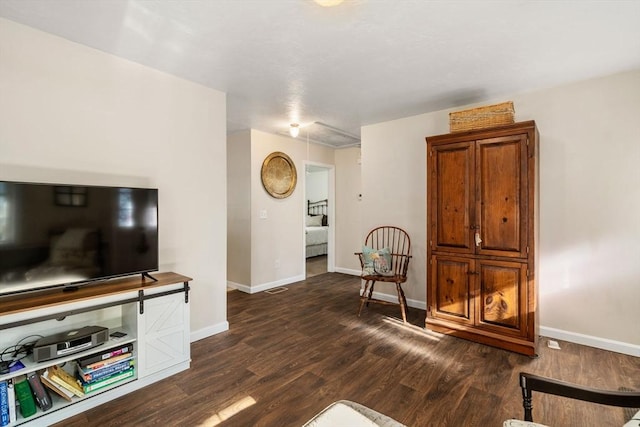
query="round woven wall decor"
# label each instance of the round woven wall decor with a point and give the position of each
(278, 175)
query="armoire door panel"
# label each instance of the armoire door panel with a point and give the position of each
(452, 197)
(502, 196)
(453, 289)
(502, 297)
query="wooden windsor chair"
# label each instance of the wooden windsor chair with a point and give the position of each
(385, 258)
(622, 398)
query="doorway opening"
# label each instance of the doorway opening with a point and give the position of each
(318, 219)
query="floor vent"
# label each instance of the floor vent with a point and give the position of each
(276, 290)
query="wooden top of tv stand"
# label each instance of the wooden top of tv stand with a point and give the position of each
(51, 297)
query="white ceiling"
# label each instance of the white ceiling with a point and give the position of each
(366, 61)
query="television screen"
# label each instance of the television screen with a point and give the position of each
(61, 235)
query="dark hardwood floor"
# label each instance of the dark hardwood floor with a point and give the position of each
(316, 265)
(287, 356)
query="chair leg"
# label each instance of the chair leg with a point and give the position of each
(366, 294)
(373, 282)
(403, 302)
(363, 297)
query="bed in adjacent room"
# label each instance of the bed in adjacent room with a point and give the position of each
(317, 228)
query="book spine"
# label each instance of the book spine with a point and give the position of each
(24, 397)
(108, 381)
(56, 388)
(66, 380)
(106, 364)
(4, 404)
(43, 399)
(86, 361)
(107, 371)
(115, 359)
(63, 383)
(13, 416)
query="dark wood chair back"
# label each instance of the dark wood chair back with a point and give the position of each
(530, 383)
(398, 242)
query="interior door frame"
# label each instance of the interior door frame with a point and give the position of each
(331, 215)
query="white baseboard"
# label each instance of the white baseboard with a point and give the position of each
(265, 286)
(381, 296)
(574, 337)
(591, 341)
(209, 331)
(239, 286)
(394, 298)
(348, 271)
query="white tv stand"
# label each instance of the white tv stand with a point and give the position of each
(154, 315)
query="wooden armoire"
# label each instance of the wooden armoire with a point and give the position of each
(482, 204)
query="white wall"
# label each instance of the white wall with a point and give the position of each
(239, 207)
(76, 115)
(589, 206)
(279, 238)
(277, 241)
(349, 232)
(317, 185)
(393, 193)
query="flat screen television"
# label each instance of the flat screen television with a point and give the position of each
(54, 235)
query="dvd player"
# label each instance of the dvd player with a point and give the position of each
(69, 342)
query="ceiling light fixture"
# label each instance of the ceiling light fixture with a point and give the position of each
(294, 129)
(328, 3)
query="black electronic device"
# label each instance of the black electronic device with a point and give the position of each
(69, 342)
(116, 335)
(54, 235)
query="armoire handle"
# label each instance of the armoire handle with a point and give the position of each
(478, 239)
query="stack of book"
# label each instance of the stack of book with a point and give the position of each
(103, 369)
